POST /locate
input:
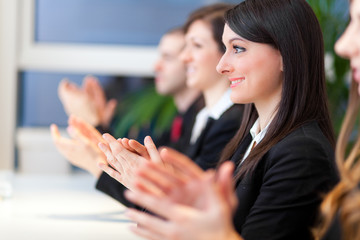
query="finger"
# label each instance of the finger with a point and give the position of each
(125, 143)
(152, 203)
(224, 174)
(88, 85)
(142, 185)
(86, 129)
(54, 130)
(109, 111)
(139, 148)
(77, 135)
(142, 232)
(91, 85)
(148, 225)
(152, 150)
(121, 153)
(62, 86)
(226, 183)
(110, 171)
(160, 177)
(64, 145)
(61, 142)
(65, 85)
(124, 157)
(71, 131)
(78, 123)
(83, 140)
(181, 162)
(71, 86)
(98, 93)
(110, 158)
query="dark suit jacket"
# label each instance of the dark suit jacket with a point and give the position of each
(216, 134)
(334, 232)
(280, 199)
(182, 144)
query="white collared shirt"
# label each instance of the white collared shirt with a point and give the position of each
(215, 112)
(256, 137)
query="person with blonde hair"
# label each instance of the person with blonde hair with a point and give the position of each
(341, 207)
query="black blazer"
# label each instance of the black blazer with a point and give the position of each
(213, 139)
(280, 199)
(335, 231)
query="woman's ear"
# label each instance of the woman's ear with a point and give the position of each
(281, 64)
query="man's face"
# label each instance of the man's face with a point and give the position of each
(170, 75)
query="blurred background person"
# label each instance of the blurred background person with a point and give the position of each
(218, 121)
(341, 207)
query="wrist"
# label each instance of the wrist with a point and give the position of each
(96, 172)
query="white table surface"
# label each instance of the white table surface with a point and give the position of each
(61, 207)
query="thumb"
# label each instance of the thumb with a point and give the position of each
(54, 130)
(225, 182)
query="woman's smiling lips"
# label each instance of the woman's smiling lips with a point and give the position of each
(236, 81)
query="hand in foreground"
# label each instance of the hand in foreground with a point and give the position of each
(86, 130)
(125, 158)
(78, 150)
(88, 102)
(207, 214)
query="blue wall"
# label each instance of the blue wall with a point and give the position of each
(136, 22)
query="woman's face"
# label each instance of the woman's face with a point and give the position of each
(254, 69)
(201, 55)
(348, 46)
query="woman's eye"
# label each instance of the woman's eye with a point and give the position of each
(239, 49)
(197, 45)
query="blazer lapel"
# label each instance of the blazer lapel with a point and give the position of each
(194, 148)
(240, 151)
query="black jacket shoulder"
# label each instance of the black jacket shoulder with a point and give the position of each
(280, 199)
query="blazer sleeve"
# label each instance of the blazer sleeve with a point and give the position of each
(296, 174)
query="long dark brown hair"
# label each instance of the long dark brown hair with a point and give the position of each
(291, 27)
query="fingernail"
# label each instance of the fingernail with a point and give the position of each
(129, 195)
(101, 146)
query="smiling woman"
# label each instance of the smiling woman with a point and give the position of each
(341, 207)
(255, 72)
(283, 152)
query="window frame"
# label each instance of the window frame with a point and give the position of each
(119, 60)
